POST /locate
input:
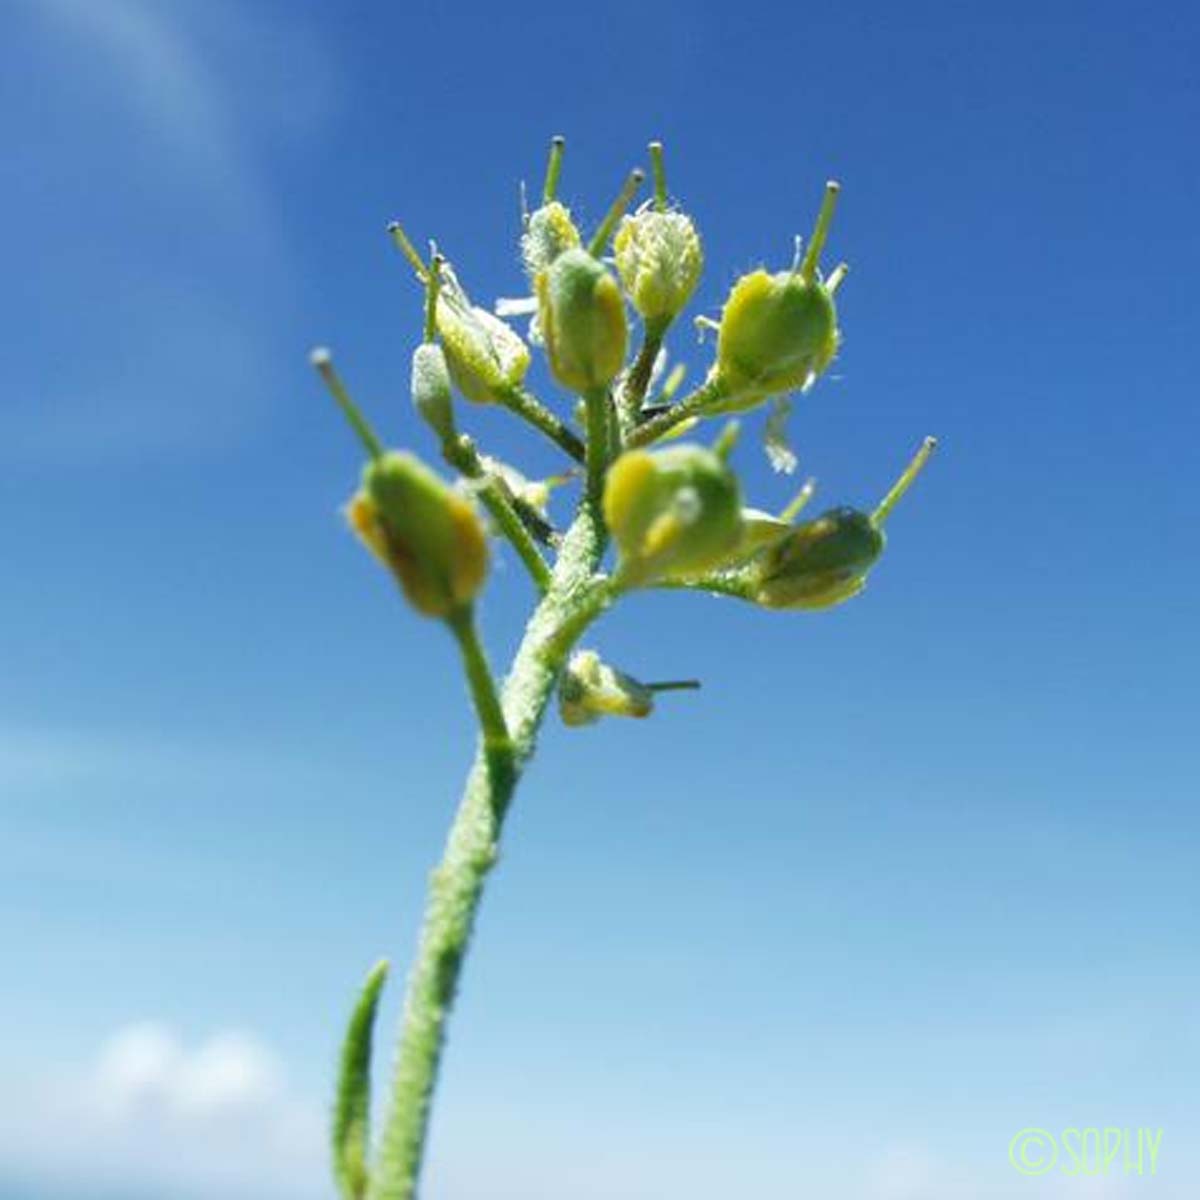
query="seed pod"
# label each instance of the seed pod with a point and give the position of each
(825, 561)
(821, 563)
(425, 533)
(778, 332)
(591, 689)
(659, 259)
(548, 233)
(431, 389)
(672, 512)
(486, 358)
(583, 322)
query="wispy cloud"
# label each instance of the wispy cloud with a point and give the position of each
(156, 58)
(150, 324)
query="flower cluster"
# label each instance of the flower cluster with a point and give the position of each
(652, 512)
(675, 512)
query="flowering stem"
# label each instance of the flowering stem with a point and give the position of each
(598, 410)
(637, 380)
(461, 454)
(492, 725)
(575, 599)
(527, 406)
(708, 393)
(736, 583)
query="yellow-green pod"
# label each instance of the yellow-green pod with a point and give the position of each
(821, 563)
(582, 317)
(777, 334)
(549, 232)
(659, 260)
(591, 689)
(428, 535)
(673, 511)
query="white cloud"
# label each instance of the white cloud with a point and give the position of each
(145, 1068)
(153, 1113)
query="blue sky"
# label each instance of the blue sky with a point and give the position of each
(901, 880)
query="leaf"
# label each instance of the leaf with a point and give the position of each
(352, 1104)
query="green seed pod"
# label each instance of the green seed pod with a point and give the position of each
(486, 358)
(778, 332)
(821, 562)
(424, 532)
(549, 232)
(431, 389)
(825, 561)
(591, 689)
(672, 512)
(583, 322)
(659, 259)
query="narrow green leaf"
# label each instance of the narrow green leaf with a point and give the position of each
(352, 1105)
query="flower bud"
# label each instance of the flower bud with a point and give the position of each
(485, 356)
(821, 562)
(548, 233)
(659, 260)
(582, 319)
(591, 689)
(431, 389)
(427, 534)
(674, 511)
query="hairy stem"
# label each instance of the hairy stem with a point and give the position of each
(735, 582)
(492, 726)
(460, 453)
(529, 408)
(637, 379)
(599, 410)
(707, 394)
(575, 599)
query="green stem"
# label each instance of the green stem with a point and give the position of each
(707, 394)
(598, 410)
(633, 390)
(575, 599)
(461, 454)
(529, 408)
(736, 583)
(479, 679)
